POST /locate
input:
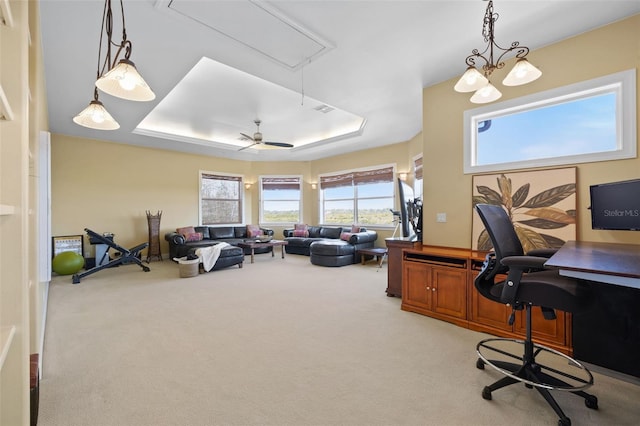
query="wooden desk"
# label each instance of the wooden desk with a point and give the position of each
(606, 334)
(611, 263)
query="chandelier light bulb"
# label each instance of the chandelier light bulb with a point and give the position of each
(471, 81)
(124, 81)
(95, 116)
(522, 73)
(487, 94)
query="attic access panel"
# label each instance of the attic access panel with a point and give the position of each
(257, 25)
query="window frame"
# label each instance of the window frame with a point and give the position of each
(355, 198)
(262, 200)
(622, 84)
(201, 174)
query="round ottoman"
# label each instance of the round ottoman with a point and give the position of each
(332, 253)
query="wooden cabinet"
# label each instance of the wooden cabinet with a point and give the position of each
(435, 284)
(394, 263)
(439, 282)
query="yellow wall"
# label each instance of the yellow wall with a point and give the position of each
(108, 187)
(594, 54)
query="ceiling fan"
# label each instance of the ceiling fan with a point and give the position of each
(257, 139)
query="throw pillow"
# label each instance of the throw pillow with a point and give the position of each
(346, 236)
(300, 233)
(196, 236)
(355, 229)
(301, 230)
(185, 231)
(253, 231)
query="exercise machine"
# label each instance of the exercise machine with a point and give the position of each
(125, 257)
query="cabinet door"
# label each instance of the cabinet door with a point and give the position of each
(487, 312)
(549, 331)
(449, 290)
(416, 288)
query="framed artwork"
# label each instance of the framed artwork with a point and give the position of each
(74, 243)
(541, 205)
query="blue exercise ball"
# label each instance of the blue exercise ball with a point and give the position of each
(67, 263)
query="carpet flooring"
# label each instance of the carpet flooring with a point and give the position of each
(277, 342)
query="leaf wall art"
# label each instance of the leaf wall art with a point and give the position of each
(541, 205)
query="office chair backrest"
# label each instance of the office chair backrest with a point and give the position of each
(501, 231)
(505, 243)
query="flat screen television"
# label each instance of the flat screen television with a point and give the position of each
(616, 205)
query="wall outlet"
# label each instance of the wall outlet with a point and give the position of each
(441, 217)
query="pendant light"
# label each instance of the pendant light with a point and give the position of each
(475, 81)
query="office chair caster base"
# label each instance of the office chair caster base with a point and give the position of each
(486, 393)
(564, 422)
(539, 368)
(545, 374)
(591, 401)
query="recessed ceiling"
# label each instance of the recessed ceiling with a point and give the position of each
(380, 56)
(191, 114)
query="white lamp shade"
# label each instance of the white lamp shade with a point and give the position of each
(471, 80)
(124, 81)
(95, 116)
(522, 73)
(485, 95)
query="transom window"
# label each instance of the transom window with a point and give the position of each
(363, 197)
(584, 122)
(220, 199)
(280, 199)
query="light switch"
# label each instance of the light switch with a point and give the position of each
(441, 217)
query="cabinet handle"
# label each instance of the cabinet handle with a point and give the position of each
(433, 289)
(428, 288)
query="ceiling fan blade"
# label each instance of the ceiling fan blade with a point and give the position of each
(248, 137)
(248, 146)
(280, 144)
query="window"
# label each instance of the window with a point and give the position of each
(417, 176)
(280, 199)
(584, 122)
(220, 199)
(364, 197)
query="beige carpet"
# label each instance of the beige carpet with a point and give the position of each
(278, 342)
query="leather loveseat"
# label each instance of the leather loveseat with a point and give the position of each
(211, 235)
(329, 246)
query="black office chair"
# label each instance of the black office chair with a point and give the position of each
(529, 284)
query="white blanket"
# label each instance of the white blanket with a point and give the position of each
(209, 255)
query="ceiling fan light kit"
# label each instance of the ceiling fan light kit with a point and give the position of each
(120, 79)
(475, 81)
